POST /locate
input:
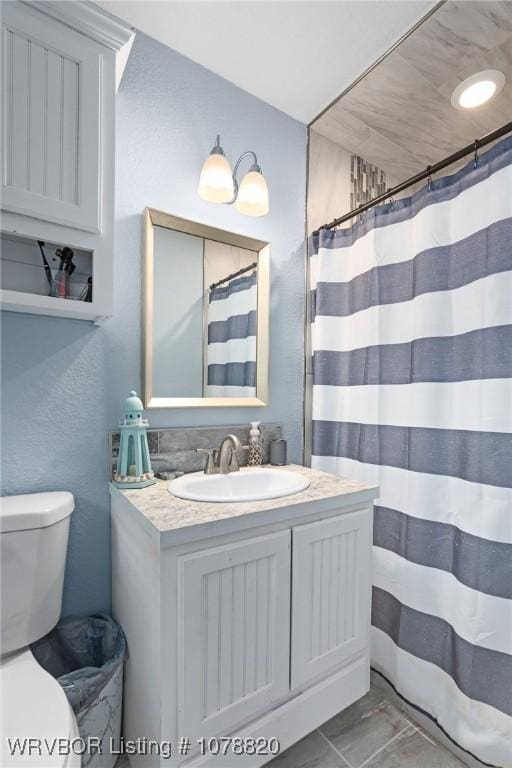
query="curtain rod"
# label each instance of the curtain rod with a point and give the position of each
(429, 170)
(234, 274)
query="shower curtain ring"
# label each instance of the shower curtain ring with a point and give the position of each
(429, 178)
(475, 160)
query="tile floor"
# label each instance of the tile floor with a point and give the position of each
(372, 733)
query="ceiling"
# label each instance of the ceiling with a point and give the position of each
(297, 56)
(400, 118)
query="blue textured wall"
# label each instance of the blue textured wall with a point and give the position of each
(63, 381)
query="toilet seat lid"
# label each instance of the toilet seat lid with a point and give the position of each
(34, 706)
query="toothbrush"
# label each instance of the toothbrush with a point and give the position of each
(46, 267)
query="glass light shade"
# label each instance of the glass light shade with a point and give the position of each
(252, 198)
(216, 180)
(478, 89)
(477, 94)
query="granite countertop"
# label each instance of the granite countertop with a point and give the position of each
(168, 513)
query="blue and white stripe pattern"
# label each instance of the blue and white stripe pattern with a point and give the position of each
(232, 325)
(412, 372)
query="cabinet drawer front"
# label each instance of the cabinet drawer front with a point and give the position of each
(234, 633)
(330, 594)
(51, 105)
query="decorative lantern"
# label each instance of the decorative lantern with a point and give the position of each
(133, 464)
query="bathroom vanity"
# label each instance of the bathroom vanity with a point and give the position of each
(246, 619)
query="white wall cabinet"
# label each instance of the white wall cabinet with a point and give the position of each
(58, 122)
(256, 632)
(51, 122)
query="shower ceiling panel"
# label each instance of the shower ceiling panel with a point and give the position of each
(400, 118)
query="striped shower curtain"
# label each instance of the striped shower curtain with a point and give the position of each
(231, 352)
(412, 367)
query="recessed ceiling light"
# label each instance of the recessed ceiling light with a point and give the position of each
(478, 89)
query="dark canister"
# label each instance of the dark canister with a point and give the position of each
(278, 452)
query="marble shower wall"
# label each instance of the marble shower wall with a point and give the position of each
(338, 181)
(400, 117)
(174, 449)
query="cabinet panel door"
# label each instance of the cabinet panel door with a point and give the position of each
(51, 111)
(330, 594)
(234, 634)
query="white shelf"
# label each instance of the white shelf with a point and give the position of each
(19, 301)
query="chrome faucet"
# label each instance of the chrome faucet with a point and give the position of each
(224, 460)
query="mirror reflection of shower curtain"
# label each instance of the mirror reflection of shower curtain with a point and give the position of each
(412, 391)
(232, 324)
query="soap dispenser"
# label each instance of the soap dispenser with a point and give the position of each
(255, 445)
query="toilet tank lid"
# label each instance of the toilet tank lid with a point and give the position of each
(34, 510)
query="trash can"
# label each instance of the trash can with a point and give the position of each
(86, 655)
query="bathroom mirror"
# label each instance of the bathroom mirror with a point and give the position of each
(205, 305)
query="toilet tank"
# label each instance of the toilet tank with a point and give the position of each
(33, 543)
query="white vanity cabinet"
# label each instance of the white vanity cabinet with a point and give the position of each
(235, 633)
(329, 594)
(251, 623)
(58, 121)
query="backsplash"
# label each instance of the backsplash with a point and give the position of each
(175, 448)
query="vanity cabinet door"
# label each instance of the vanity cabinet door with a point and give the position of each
(234, 634)
(330, 594)
(51, 120)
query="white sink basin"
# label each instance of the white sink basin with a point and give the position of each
(246, 485)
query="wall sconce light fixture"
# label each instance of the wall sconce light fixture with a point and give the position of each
(219, 184)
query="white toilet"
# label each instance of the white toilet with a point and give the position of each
(33, 543)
